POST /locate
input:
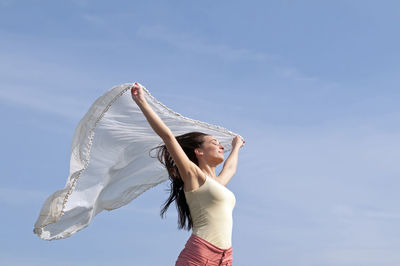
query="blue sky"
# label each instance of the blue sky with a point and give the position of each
(312, 86)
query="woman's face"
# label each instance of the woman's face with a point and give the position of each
(213, 151)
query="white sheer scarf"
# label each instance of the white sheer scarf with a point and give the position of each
(110, 162)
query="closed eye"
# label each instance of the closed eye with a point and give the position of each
(216, 142)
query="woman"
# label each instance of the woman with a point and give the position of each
(204, 203)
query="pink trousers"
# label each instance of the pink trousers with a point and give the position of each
(199, 252)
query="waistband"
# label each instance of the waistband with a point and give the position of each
(196, 239)
(205, 249)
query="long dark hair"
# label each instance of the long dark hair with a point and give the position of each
(188, 142)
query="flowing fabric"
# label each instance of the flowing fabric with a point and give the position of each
(111, 163)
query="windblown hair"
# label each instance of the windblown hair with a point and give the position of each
(188, 142)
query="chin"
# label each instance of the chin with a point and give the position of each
(218, 159)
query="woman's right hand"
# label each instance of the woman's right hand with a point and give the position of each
(138, 93)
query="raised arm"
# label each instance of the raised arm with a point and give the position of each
(185, 166)
(230, 165)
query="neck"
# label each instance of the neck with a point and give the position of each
(207, 169)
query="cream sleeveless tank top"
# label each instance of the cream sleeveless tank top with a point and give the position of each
(211, 207)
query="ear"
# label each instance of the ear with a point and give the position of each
(198, 152)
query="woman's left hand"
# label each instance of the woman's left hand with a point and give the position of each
(238, 141)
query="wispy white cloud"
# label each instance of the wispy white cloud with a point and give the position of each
(352, 256)
(366, 213)
(26, 259)
(81, 3)
(29, 82)
(331, 183)
(94, 19)
(151, 211)
(53, 103)
(293, 74)
(20, 196)
(198, 45)
(195, 44)
(5, 3)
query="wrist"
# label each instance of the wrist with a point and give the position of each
(141, 103)
(236, 147)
